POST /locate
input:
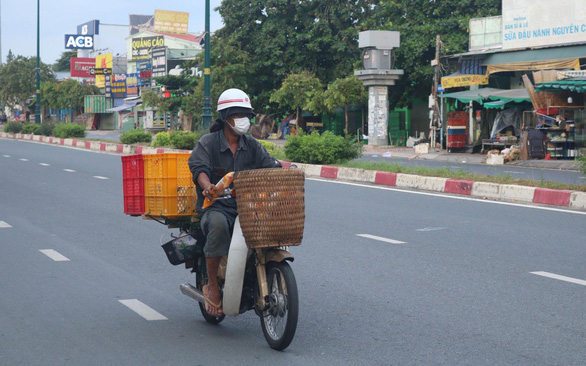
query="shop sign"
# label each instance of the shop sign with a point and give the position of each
(142, 45)
(79, 42)
(80, 66)
(132, 85)
(108, 85)
(145, 71)
(119, 86)
(464, 80)
(159, 62)
(171, 21)
(99, 71)
(535, 23)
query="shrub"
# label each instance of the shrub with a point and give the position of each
(582, 159)
(13, 127)
(161, 139)
(321, 149)
(47, 128)
(134, 136)
(275, 150)
(68, 130)
(184, 140)
(31, 129)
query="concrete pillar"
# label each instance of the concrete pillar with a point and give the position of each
(378, 112)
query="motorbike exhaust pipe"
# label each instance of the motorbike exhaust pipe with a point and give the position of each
(192, 292)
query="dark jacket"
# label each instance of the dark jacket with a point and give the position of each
(212, 156)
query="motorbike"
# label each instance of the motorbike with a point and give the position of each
(258, 278)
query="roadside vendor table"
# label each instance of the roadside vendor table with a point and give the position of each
(499, 145)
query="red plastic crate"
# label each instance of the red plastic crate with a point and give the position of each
(133, 184)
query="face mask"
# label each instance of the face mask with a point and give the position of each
(241, 125)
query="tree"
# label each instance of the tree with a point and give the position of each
(10, 57)
(18, 79)
(345, 93)
(282, 37)
(419, 21)
(64, 62)
(299, 91)
(65, 94)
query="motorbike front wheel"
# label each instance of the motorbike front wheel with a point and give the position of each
(279, 320)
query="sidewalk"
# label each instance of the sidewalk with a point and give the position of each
(463, 157)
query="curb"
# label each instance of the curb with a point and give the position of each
(482, 190)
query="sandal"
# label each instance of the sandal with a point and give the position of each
(211, 305)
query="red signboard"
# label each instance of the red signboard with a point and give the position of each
(80, 67)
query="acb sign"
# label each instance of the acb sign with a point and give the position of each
(79, 42)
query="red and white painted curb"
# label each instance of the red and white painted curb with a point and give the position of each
(483, 190)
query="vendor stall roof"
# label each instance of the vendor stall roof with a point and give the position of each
(479, 95)
(577, 85)
(128, 105)
(495, 105)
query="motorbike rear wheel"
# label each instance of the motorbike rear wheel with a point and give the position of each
(279, 320)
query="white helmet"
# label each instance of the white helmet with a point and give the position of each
(233, 98)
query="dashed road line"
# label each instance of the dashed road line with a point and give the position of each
(431, 229)
(6, 156)
(44, 164)
(69, 170)
(512, 172)
(54, 255)
(100, 177)
(380, 238)
(142, 309)
(23, 159)
(560, 277)
(4, 224)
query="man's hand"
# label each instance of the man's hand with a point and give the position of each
(208, 191)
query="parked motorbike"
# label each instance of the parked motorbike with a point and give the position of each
(256, 275)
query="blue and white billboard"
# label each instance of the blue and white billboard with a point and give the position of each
(79, 42)
(90, 28)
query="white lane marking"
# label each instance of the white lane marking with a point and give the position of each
(142, 309)
(3, 224)
(512, 172)
(560, 277)
(380, 238)
(450, 196)
(69, 170)
(44, 164)
(431, 228)
(23, 159)
(54, 255)
(100, 177)
(6, 156)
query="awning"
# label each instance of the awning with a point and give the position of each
(568, 63)
(571, 85)
(128, 105)
(495, 105)
(479, 95)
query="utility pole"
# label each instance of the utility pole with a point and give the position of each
(38, 103)
(207, 102)
(435, 119)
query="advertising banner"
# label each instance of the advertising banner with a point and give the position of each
(119, 86)
(142, 45)
(171, 21)
(464, 80)
(159, 62)
(80, 66)
(145, 71)
(532, 23)
(79, 42)
(132, 85)
(103, 62)
(92, 27)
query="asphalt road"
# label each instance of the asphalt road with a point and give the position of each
(432, 279)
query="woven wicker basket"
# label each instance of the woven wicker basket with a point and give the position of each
(271, 206)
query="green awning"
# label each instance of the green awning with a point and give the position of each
(495, 105)
(571, 85)
(512, 95)
(479, 95)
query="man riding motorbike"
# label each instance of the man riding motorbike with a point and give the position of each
(226, 148)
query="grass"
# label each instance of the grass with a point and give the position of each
(461, 174)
